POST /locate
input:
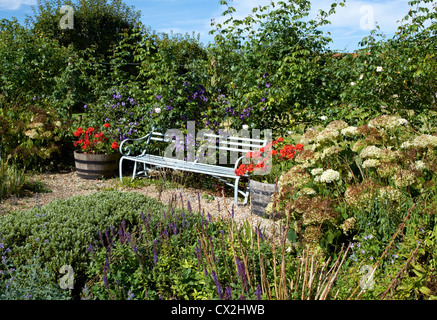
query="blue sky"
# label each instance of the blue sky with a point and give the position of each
(348, 26)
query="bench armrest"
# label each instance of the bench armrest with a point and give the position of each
(125, 150)
(237, 162)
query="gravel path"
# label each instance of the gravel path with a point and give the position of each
(68, 184)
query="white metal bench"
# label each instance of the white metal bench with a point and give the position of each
(236, 144)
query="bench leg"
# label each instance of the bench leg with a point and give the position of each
(120, 164)
(134, 171)
(236, 191)
(246, 196)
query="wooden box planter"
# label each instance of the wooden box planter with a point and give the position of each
(260, 196)
(96, 166)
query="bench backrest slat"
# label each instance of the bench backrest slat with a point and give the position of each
(232, 143)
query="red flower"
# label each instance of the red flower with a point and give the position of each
(242, 169)
(299, 147)
(78, 132)
(98, 135)
(106, 125)
(114, 145)
(89, 130)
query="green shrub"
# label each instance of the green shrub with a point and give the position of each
(28, 282)
(60, 232)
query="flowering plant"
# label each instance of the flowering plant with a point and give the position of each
(270, 162)
(95, 140)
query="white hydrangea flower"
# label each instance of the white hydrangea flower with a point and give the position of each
(371, 163)
(337, 125)
(316, 171)
(329, 176)
(371, 152)
(36, 125)
(32, 134)
(327, 135)
(425, 140)
(402, 122)
(404, 178)
(349, 131)
(406, 145)
(388, 192)
(327, 152)
(419, 165)
(384, 122)
(306, 191)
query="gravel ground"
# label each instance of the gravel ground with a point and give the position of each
(68, 184)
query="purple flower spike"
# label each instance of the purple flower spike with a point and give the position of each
(258, 292)
(228, 293)
(218, 285)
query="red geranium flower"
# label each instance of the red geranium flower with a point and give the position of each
(106, 125)
(114, 145)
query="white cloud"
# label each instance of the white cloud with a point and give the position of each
(15, 4)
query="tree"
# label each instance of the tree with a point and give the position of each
(95, 23)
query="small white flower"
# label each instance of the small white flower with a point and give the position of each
(323, 118)
(353, 83)
(361, 76)
(245, 127)
(378, 69)
(157, 110)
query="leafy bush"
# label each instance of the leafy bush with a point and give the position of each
(33, 134)
(60, 232)
(27, 282)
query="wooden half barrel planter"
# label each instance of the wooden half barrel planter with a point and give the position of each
(260, 196)
(96, 166)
